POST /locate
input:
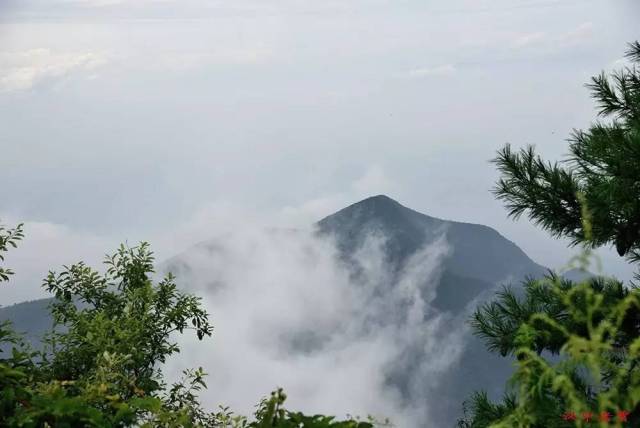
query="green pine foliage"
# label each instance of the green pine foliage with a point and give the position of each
(592, 328)
(576, 346)
(603, 165)
(498, 321)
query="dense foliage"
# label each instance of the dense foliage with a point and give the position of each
(576, 345)
(592, 328)
(100, 366)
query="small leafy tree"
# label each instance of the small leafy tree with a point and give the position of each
(121, 313)
(12, 368)
(101, 367)
(8, 238)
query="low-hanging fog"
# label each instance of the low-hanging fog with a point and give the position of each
(287, 312)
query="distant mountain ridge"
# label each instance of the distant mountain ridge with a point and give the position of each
(475, 246)
(479, 260)
(480, 257)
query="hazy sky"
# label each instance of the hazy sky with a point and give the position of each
(170, 120)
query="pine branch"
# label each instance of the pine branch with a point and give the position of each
(634, 51)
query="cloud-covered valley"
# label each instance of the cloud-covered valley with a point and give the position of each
(287, 312)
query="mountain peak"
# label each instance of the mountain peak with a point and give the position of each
(378, 201)
(405, 230)
(378, 208)
(477, 251)
(380, 198)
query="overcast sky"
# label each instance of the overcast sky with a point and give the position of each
(172, 120)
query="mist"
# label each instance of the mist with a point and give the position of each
(339, 339)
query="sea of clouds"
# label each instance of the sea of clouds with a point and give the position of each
(289, 312)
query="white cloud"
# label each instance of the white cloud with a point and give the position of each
(237, 54)
(209, 221)
(287, 313)
(105, 3)
(95, 3)
(551, 41)
(220, 216)
(529, 39)
(314, 209)
(578, 35)
(373, 181)
(21, 71)
(440, 70)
